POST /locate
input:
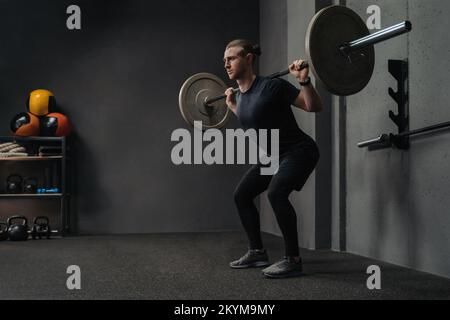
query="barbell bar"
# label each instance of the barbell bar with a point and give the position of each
(339, 51)
(379, 36)
(346, 49)
(387, 139)
(208, 101)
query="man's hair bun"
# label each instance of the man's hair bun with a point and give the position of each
(256, 49)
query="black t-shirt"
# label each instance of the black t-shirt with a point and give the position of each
(267, 105)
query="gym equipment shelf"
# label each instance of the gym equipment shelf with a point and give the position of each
(32, 158)
(31, 195)
(56, 166)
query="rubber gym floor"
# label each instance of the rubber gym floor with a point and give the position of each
(193, 266)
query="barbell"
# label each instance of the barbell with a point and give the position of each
(339, 51)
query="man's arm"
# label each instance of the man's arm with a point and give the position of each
(308, 99)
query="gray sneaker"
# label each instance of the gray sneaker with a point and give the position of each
(252, 259)
(285, 268)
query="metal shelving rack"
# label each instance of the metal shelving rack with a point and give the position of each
(64, 196)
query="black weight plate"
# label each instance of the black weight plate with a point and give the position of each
(328, 30)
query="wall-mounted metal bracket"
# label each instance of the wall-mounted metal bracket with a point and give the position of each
(399, 70)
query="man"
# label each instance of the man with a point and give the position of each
(264, 103)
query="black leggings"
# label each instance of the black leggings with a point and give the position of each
(294, 169)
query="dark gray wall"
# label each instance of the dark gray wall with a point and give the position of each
(118, 80)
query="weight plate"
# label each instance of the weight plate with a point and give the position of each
(328, 30)
(193, 94)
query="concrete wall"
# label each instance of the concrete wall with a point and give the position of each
(118, 80)
(397, 201)
(387, 204)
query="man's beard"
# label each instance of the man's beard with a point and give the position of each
(238, 75)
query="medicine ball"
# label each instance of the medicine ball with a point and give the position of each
(25, 124)
(55, 125)
(41, 102)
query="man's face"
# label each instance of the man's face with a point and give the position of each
(235, 64)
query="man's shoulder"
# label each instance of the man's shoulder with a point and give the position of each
(265, 79)
(274, 81)
(271, 83)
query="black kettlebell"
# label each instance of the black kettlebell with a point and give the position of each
(41, 228)
(17, 231)
(3, 231)
(14, 183)
(30, 185)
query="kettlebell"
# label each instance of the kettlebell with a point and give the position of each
(17, 231)
(41, 228)
(3, 231)
(14, 183)
(30, 185)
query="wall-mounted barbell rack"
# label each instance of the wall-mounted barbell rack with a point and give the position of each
(399, 70)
